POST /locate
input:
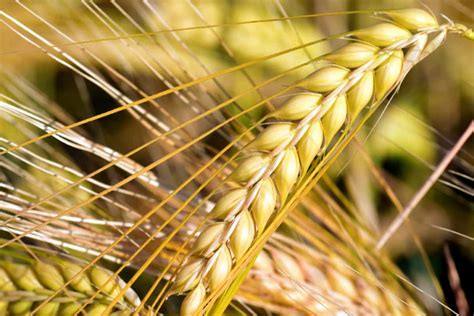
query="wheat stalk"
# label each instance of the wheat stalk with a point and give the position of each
(359, 74)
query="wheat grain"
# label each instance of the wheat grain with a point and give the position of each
(25, 285)
(360, 73)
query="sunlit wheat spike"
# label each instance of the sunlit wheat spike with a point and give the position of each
(26, 282)
(360, 74)
(326, 288)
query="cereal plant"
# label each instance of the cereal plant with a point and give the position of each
(220, 157)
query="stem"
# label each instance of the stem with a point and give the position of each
(426, 187)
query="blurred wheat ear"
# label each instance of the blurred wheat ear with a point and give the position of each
(169, 181)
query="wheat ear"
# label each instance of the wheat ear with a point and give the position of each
(360, 73)
(283, 152)
(329, 287)
(26, 284)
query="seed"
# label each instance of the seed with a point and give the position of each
(187, 277)
(20, 308)
(324, 79)
(340, 282)
(314, 275)
(81, 282)
(273, 136)
(264, 205)
(287, 172)
(264, 262)
(228, 202)
(387, 74)
(243, 234)
(412, 19)
(287, 265)
(297, 107)
(48, 309)
(69, 309)
(101, 278)
(96, 310)
(193, 300)
(383, 34)
(310, 145)
(6, 283)
(221, 268)
(248, 167)
(48, 275)
(334, 118)
(208, 240)
(360, 95)
(353, 55)
(272, 286)
(468, 33)
(22, 276)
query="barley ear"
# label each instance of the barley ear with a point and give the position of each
(360, 73)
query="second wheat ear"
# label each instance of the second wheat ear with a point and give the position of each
(360, 74)
(26, 285)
